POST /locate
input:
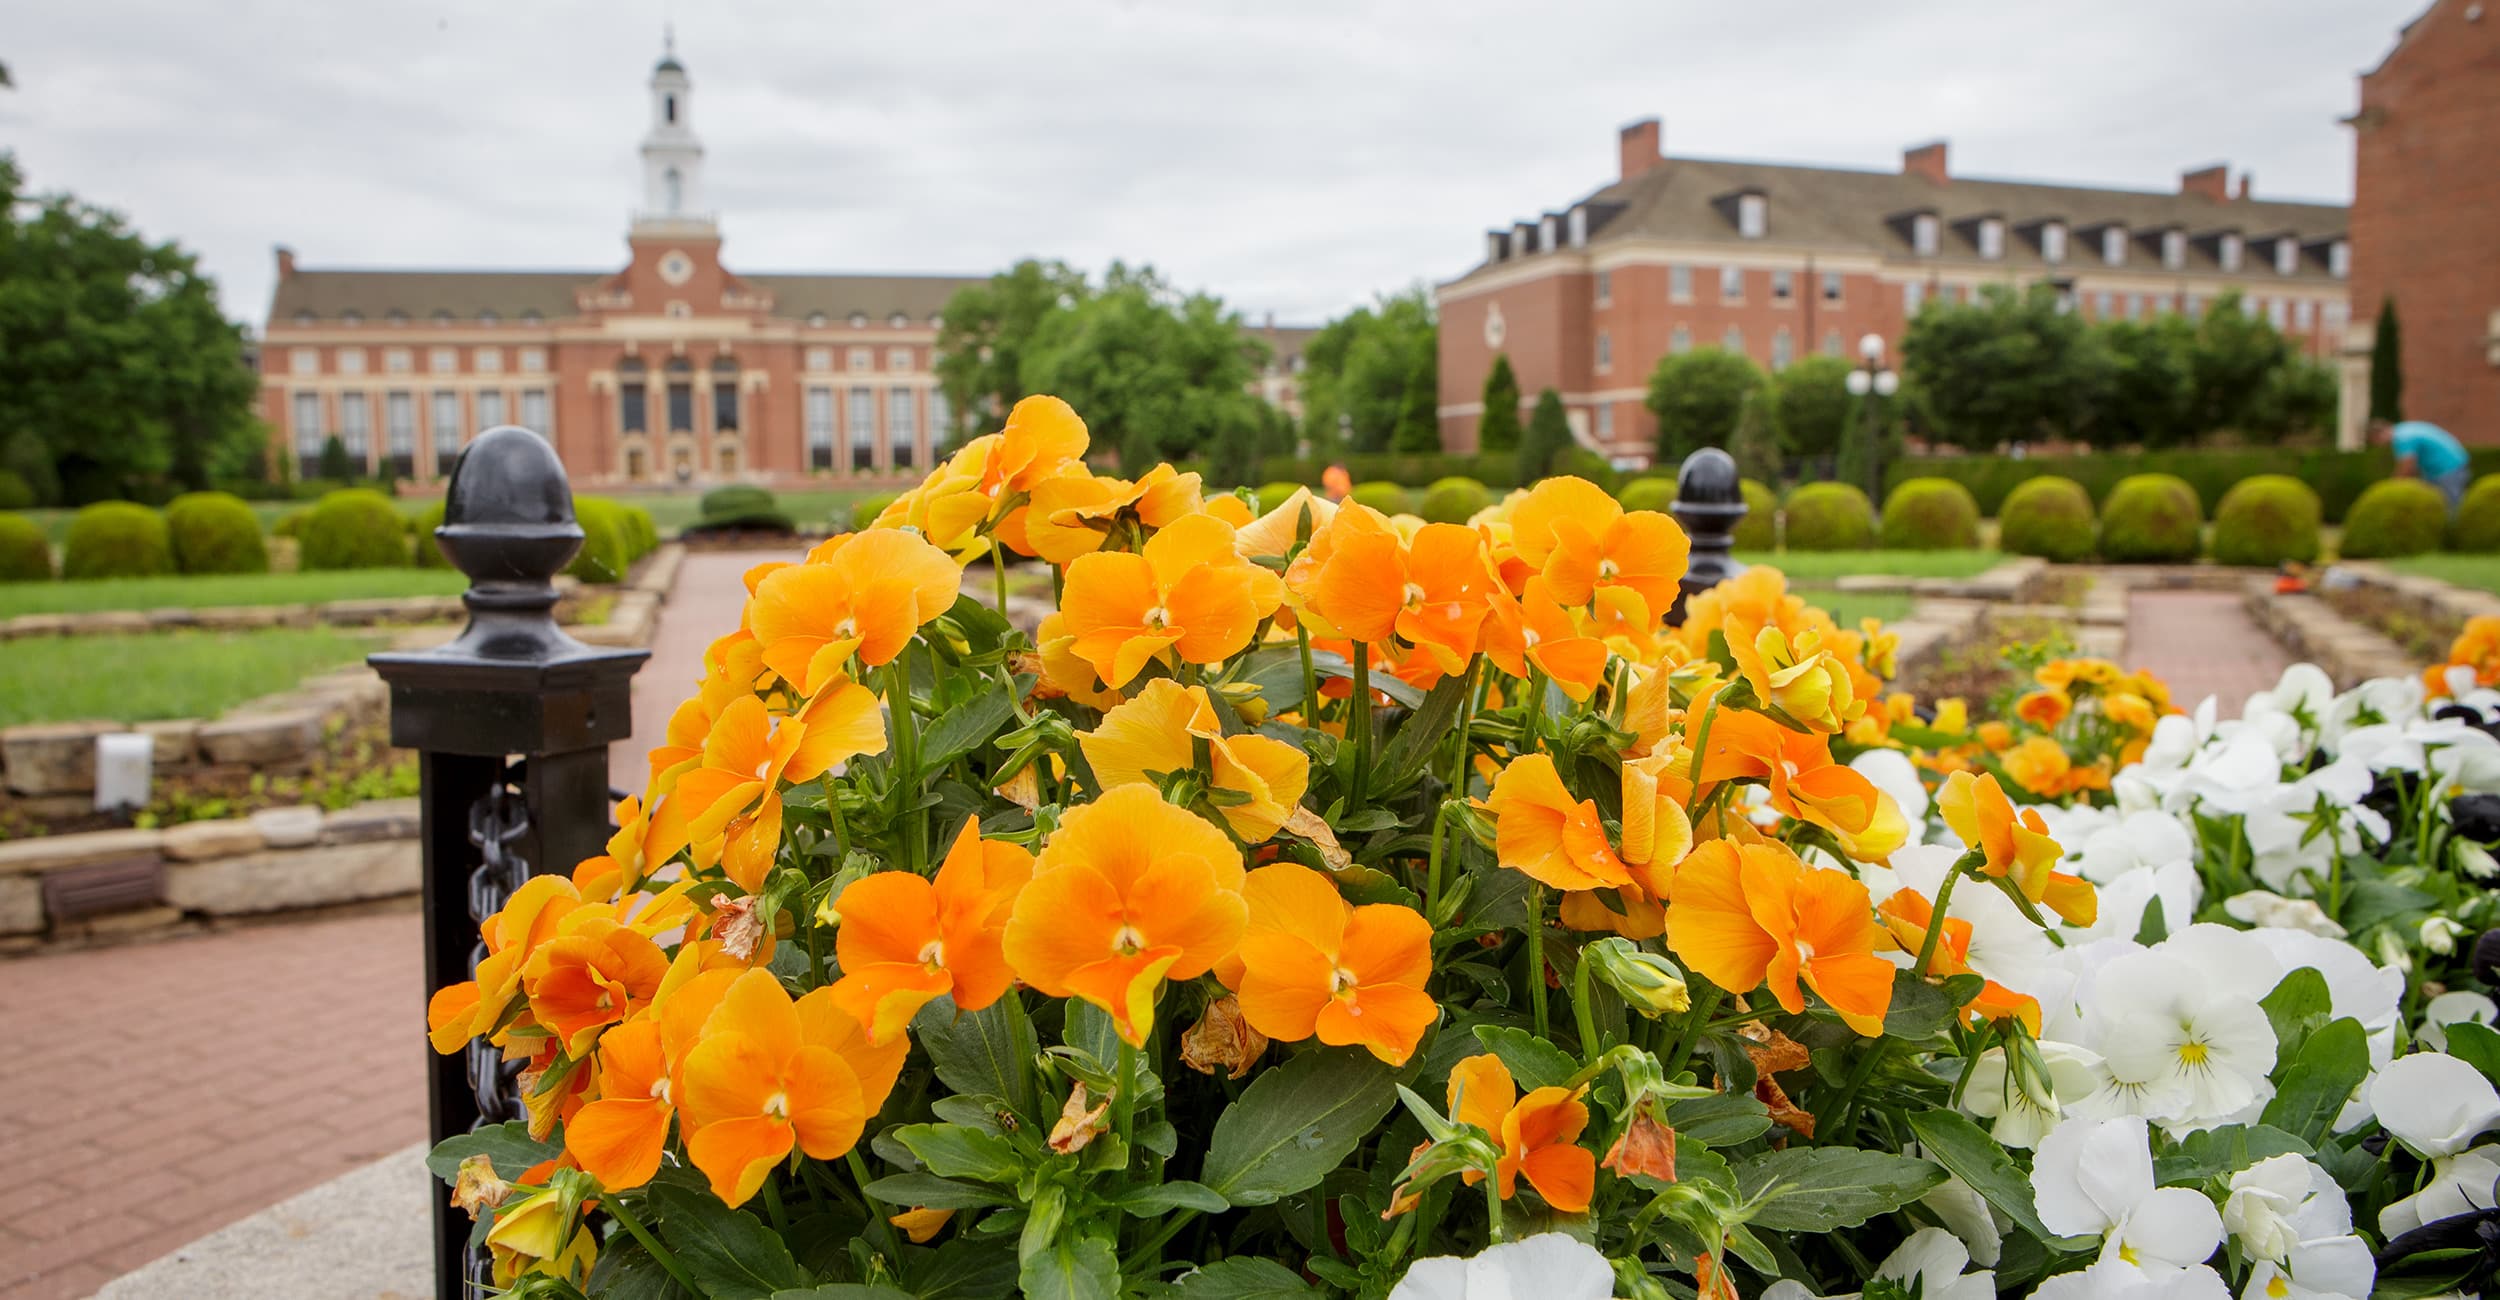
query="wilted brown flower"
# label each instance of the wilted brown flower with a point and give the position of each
(738, 926)
(1078, 1123)
(1646, 1149)
(1222, 1040)
(477, 1187)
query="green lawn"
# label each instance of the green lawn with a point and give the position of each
(222, 589)
(141, 678)
(1823, 566)
(1846, 608)
(2477, 571)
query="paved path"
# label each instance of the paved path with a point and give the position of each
(2202, 643)
(156, 1092)
(703, 606)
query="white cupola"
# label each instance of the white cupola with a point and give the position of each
(672, 159)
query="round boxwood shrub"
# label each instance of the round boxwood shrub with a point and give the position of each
(1454, 500)
(1830, 517)
(2047, 516)
(25, 553)
(1272, 495)
(2265, 520)
(2151, 518)
(354, 528)
(740, 507)
(1647, 494)
(607, 543)
(865, 510)
(116, 539)
(642, 532)
(1384, 496)
(291, 524)
(429, 552)
(1760, 528)
(15, 492)
(2401, 516)
(2477, 527)
(214, 532)
(1930, 514)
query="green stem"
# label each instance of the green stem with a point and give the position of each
(615, 1206)
(1432, 866)
(998, 575)
(1935, 921)
(1466, 721)
(1310, 676)
(1695, 1021)
(1582, 1010)
(1845, 1109)
(1359, 726)
(878, 1211)
(1142, 1260)
(773, 1207)
(1701, 742)
(1536, 957)
(907, 758)
(1532, 711)
(1124, 1105)
(1493, 1209)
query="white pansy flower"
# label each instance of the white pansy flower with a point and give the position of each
(2476, 861)
(2317, 1270)
(2176, 886)
(2459, 1184)
(1891, 771)
(2266, 910)
(2440, 934)
(2454, 1007)
(1548, 1266)
(2434, 1104)
(1966, 1215)
(2026, 1109)
(1928, 1265)
(2379, 700)
(2181, 1029)
(2094, 1177)
(2282, 1201)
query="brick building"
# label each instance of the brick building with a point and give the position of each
(1280, 374)
(672, 369)
(1778, 261)
(2426, 219)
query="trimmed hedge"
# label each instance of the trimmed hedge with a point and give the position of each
(1647, 494)
(1830, 517)
(2340, 477)
(1760, 529)
(1498, 471)
(291, 524)
(740, 507)
(2402, 516)
(429, 552)
(1387, 498)
(2050, 517)
(1453, 500)
(1930, 514)
(2477, 527)
(357, 528)
(15, 492)
(25, 553)
(116, 539)
(2265, 521)
(2151, 518)
(1580, 462)
(215, 532)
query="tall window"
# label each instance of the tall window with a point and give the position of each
(2286, 256)
(1831, 286)
(1679, 284)
(2114, 245)
(902, 425)
(489, 408)
(1753, 216)
(1605, 285)
(2173, 249)
(489, 361)
(1733, 340)
(398, 361)
(898, 359)
(1831, 343)
(820, 428)
(351, 361)
(399, 431)
(2053, 242)
(2301, 314)
(633, 403)
(2332, 318)
(942, 416)
(304, 361)
(1923, 234)
(2277, 313)
(442, 361)
(862, 413)
(1680, 341)
(2135, 306)
(1779, 348)
(2103, 303)
(2229, 252)
(1783, 287)
(1605, 352)
(1606, 422)
(820, 358)
(308, 434)
(2339, 259)
(1731, 284)
(1912, 294)
(1992, 238)
(356, 428)
(724, 395)
(445, 428)
(680, 396)
(862, 359)
(534, 413)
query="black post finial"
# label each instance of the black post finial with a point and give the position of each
(1709, 503)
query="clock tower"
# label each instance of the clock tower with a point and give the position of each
(672, 158)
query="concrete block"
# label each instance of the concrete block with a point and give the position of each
(278, 881)
(21, 904)
(202, 841)
(177, 741)
(48, 852)
(288, 828)
(281, 736)
(381, 819)
(53, 757)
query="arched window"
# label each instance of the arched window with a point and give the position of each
(676, 189)
(668, 108)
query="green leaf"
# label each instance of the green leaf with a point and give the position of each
(961, 1269)
(1422, 732)
(1243, 1277)
(730, 1255)
(1156, 1198)
(2332, 1063)
(976, 1052)
(984, 628)
(2298, 1007)
(1979, 1160)
(1919, 1009)
(2154, 925)
(509, 1147)
(1077, 1268)
(2213, 1152)
(1277, 673)
(953, 1151)
(845, 1291)
(2369, 901)
(2477, 1046)
(1818, 1189)
(1295, 1123)
(1720, 1121)
(960, 729)
(626, 1271)
(1533, 1063)
(934, 1192)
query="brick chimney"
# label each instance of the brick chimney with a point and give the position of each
(1640, 147)
(1926, 160)
(286, 261)
(2246, 179)
(2212, 182)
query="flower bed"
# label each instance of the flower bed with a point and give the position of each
(1322, 898)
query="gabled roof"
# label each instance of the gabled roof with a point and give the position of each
(420, 295)
(796, 297)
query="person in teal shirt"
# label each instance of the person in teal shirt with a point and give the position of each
(2427, 452)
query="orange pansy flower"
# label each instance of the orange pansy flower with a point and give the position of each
(534, 914)
(769, 1074)
(1539, 1134)
(1276, 532)
(751, 751)
(1044, 439)
(1908, 914)
(593, 974)
(2012, 846)
(1188, 593)
(865, 599)
(1534, 630)
(1159, 732)
(1129, 891)
(1795, 766)
(1314, 966)
(906, 940)
(1073, 513)
(1581, 539)
(1744, 916)
(618, 1138)
(1430, 590)
(1539, 829)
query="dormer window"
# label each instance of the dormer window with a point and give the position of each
(2339, 259)
(1549, 233)
(2227, 251)
(859, 320)
(816, 321)
(394, 317)
(441, 317)
(2053, 242)
(1753, 216)
(1496, 246)
(898, 320)
(2286, 255)
(489, 319)
(305, 318)
(531, 317)
(1579, 225)
(1522, 239)
(2114, 245)
(351, 317)
(2173, 249)
(1923, 234)
(1992, 238)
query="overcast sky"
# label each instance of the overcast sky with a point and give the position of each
(1293, 156)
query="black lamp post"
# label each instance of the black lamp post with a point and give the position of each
(1862, 462)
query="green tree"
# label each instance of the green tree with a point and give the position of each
(1812, 405)
(1158, 375)
(988, 330)
(334, 464)
(1547, 438)
(1756, 444)
(1363, 366)
(2150, 396)
(1419, 416)
(2237, 352)
(2387, 366)
(2299, 398)
(1498, 428)
(1696, 397)
(2006, 367)
(115, 362)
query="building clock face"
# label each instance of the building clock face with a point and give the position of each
(676, 267)
(1494, 328)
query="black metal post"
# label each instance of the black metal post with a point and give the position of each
(512, 723)
(1709, 503)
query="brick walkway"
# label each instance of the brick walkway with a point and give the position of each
(159, 1091)
(2202, 643)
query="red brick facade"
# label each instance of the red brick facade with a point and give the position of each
(2426, 214)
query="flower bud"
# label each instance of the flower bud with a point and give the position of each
(2477, 861)
(2392, 952)
(1247, 701)
(2440, 934)
(1649, 983)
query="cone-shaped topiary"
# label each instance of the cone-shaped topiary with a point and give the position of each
(1381, 495)
(116, 539)
(1760, 529)
(2265, 520)
(25, 553)
(2477, 527)
(1453, 500)
(1830, 517)
(356, 528)
(2151, 518)
(215, 532)
(2048, 516)
(2402, 516)
(1930, 514)
(1647, 494)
